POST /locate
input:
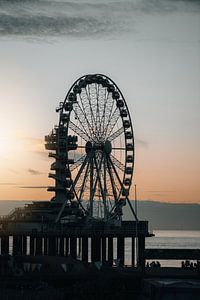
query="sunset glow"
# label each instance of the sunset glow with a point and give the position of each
(152, 55)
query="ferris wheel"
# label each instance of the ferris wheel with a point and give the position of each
(94, 145)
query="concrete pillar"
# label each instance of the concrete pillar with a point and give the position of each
(103, 249)
(52, 245)
(38, 248)
(95, 249)
(73, 247)
(67, 246)
(133, 252)
(61, 246)
(110, 250)
(17, 245)
(141, 248)
(45, 248)
(85, 249)
(32, 245)
(4, 245)
(24, 245)
(120, 250)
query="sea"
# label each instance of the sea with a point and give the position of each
(179, 239)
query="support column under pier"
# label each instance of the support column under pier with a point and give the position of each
(95, 249)
(120, 250)
(85, 249)
(38, 248)
(133, 252)
(24, 245)
(67, 250)
(141, 248)
(45, 250)
(4, 245)
(73, 247)
(110, 250)
(103, 249)
(61, 246)
(32, 245)
(17, 245)
(52, 245)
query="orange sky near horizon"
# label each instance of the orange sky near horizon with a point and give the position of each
(151, 50)
(25, 167)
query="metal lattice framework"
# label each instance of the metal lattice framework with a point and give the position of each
(94, 149)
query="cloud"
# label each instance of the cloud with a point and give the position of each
(33, 187)
(52, 18)
(80, 19)
(7, 183)
(141, 143)
(42, 154)
(34, 172)
(13, 171)
(36, 146)
(160, 191)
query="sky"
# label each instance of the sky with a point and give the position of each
(150, 48)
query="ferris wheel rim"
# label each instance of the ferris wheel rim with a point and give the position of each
(124, 130)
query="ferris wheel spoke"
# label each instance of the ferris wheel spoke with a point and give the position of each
(86, 115)
(90, 104)
(102, 121)
(112, 180)
(80, 121)
(117, 163)
(84, 182)
(75, 181)
(116, 173)
(83, 114)
(97, 112)
(122, 187)
(79, 131)
(116, 148)
(116, 134)
(100, 186)
(93, 185)
(112, 122)
(80, 161)
(82, 147)
(109, 118)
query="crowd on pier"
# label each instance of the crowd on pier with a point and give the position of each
(190, 265)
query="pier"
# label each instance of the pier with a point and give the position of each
(79, 242)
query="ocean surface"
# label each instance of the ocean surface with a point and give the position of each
(168, 239)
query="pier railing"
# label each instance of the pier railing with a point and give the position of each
(127, 229)
(174, 254)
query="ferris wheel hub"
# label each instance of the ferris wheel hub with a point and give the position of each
(104, 147)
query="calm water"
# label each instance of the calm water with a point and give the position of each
(169, 239)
